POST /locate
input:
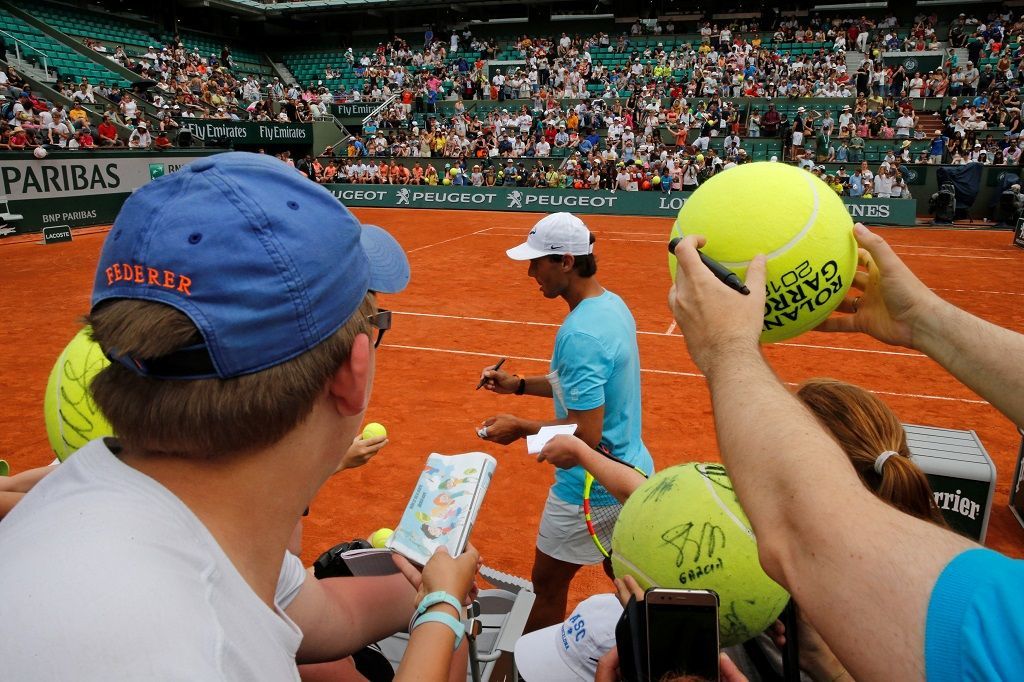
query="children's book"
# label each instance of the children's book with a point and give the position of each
(444, 505)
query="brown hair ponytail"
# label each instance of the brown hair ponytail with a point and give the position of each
(865, 427)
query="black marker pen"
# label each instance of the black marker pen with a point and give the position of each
(723, 273)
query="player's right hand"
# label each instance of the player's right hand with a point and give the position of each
(499, 381)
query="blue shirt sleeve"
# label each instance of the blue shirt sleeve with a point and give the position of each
(584, 370)
(974, 629)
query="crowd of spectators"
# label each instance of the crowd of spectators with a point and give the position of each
(662, 102)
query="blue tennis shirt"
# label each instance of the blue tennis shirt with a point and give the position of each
(598, 363)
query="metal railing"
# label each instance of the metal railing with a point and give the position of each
(376, 111)
(18, 43)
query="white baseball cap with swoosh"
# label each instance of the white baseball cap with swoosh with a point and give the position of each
(553, 235)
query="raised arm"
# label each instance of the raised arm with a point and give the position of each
(894, 306)
(861, 571)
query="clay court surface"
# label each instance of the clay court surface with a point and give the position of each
(468, 305)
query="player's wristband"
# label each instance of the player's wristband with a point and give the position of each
(434, 617)
(521, 388)
(433, 599)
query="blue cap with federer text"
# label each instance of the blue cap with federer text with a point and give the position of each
(266, 263)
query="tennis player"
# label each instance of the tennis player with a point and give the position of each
(594, 383)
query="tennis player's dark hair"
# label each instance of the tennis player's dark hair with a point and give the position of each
(206, 417)
(585, 266)
(865, 427)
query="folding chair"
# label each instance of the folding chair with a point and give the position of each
(495, 622)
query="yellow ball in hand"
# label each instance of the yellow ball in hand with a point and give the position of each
(380, 537)
(374, 430)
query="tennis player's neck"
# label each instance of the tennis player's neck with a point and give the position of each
(580, 289)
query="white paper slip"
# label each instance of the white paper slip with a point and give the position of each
(537, 441)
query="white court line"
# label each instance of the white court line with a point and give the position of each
(1008, 249)
(669, 372)
(950, 255)
(487, 232)
(461, 236)
(982, 291)
(671, 329)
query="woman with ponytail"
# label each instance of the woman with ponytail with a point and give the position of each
(873, 438)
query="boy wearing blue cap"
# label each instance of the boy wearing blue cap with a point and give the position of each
(234, 297)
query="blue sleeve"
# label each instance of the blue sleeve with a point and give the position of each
(583, 370)
(974, 629)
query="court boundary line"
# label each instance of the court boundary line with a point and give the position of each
(489, 232)
(667, 372)
(671, 329)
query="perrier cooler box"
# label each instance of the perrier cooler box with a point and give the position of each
(961, 474)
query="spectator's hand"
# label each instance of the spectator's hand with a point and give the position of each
(361, 451)
(816, 659)
(444, 574)
(499, 381)
(893, 299)
(715, 319)
(502, 429)
(627, 587)
(563, 451)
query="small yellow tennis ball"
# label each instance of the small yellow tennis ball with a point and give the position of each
(380, 537)
(795, 220)
(684, 528)
(374, 430)
(72, 418)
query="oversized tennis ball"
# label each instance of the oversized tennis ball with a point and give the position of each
(72, 418)
(374, 430)
(793, 218)
(684, 528)
(454, 172)
(5, 468)
(446, 181)
(380, 537)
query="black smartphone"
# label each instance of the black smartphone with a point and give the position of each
(682, 633)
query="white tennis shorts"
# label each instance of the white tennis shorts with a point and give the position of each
(563, 533)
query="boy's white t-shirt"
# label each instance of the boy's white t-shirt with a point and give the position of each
(107, 575)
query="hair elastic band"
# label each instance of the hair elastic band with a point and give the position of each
(880, 460)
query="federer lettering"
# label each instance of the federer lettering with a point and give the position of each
(802, 289)
(143, 274)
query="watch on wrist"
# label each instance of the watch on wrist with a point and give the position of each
(521, 388)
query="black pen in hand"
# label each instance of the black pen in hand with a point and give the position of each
(723, 273)
(496, 368)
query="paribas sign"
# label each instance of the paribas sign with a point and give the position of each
(24, 179)
(248, 132)
(58, 178)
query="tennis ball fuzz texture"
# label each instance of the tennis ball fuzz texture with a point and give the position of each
(72, 418)
(796, 220)
(380, 537)
(684, 529)
(374, 430)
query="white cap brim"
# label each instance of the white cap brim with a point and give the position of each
(526, 252)
(537, 657)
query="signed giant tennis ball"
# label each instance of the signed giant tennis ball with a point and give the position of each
(684, 528)
(794, 219)
(72, 418)
(374, 430)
